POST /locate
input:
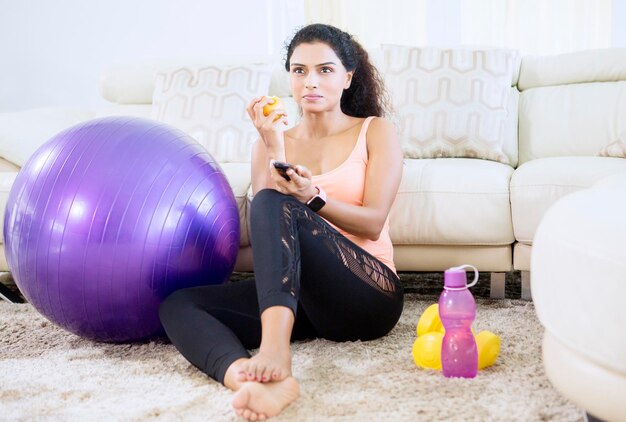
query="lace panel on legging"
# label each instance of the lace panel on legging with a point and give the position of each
(363, 265)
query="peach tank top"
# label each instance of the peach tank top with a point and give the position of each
(347, 183)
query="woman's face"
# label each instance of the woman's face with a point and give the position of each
(318, 77)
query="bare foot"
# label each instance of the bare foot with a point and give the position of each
(266, 366)
(258, 401)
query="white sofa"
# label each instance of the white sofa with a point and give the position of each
(563, 110)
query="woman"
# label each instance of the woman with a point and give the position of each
(323, 258)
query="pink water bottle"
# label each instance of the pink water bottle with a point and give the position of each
(457, 310)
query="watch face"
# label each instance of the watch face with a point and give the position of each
(316, 203)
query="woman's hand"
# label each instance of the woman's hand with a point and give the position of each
(300, 186)
(268, 126)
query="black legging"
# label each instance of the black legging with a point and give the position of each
(336, 290)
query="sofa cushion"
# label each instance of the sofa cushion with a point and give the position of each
(598, 65)
(450, 103)
(134, 83)
(570, 120)
(20, 137)
(455, 201)
(238, 175)
(538, 184)
(7, 166)
(615, 149)
(209, 103)
(137, 110)
(7, 177)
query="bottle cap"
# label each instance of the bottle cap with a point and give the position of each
(455, 279)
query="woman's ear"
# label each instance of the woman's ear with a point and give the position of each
(349, 76)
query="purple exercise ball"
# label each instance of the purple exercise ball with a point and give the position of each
(109, 217)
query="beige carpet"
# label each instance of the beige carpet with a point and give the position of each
(48, 374)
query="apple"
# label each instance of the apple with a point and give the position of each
(276, 103)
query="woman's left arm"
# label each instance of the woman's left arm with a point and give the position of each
(384, 173)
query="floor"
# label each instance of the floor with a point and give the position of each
(427, 284)
(431, 284)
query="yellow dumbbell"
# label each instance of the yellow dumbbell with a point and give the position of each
(488, 345)
(427, 350)
(430, 331)
(430, 321)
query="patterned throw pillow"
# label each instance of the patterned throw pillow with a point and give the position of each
(450, 102)
(209, 103)
(615, 149)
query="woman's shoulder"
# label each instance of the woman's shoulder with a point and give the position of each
(381, 123)
(381, 127)
(292, 131)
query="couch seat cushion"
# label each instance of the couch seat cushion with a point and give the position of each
(7, 177)
(538, 184)
(452, 201)
(22, 132)
(238, 175)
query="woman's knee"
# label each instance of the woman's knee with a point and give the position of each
(266, 197)
(265, 202)
(173, 304)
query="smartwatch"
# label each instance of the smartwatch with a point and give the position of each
(318, 201)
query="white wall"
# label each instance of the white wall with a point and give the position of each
(53, 51)
(618, 24)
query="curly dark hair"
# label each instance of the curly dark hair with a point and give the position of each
(367, 95)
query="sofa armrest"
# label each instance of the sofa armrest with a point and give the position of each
(22, 132)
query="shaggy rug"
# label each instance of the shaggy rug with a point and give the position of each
(49, 374)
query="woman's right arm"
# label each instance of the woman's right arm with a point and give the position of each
(270, 145)
(261, 178)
